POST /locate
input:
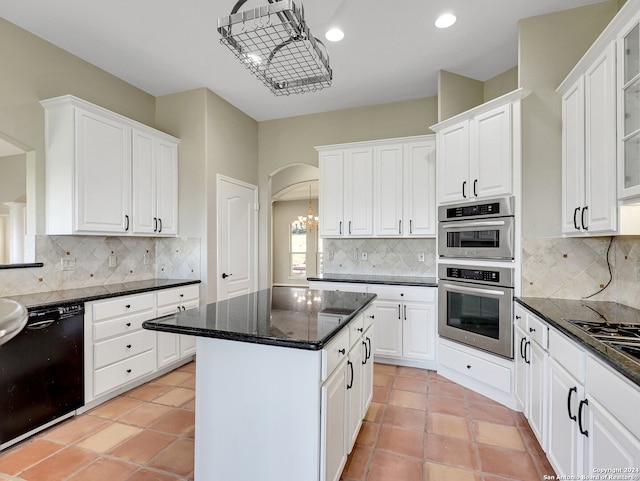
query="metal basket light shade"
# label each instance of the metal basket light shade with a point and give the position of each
(274, 42)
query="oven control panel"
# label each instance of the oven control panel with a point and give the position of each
(473, 274)
(473, 210)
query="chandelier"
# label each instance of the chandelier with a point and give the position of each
(275, 44)
(310, 221)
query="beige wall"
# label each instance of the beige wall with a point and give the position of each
(216, 138)
(292, 140)
(501, 84)
(549, 46)
(457, 94)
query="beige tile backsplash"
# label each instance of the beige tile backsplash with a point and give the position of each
(166, 258)
(575, 268)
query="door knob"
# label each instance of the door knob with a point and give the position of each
(225, 275)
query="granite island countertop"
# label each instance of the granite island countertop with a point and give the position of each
(556, 312)
(281, 316)
(94, 293)
(378, 279)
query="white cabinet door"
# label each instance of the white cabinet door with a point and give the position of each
(388, 328)
(419, 327)
(573, 157)
(600, 144)
(537, 412)
(103, 174)
(358, 192)
(367, 368)
(167, 187)
(491, 154)
(522, 372)
(330, 197)
(333, 442)
(420, 189)
(608, 443)
(565, 441)
(453, 163)
(388, 166)
(144, 178)
(354, 394)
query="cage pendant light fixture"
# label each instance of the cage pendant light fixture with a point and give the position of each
(275, 44)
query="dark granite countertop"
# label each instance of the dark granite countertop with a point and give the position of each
(371, 279)
(93, 293)
(281, 316)
(555, 311)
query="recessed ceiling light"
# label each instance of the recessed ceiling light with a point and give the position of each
(334, 34)
(445, 20)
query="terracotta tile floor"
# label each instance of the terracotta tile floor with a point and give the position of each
(420, 427)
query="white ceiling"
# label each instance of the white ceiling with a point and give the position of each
(391, 50)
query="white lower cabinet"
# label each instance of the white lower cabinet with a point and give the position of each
(531, 357)
(173, 347)
(346, 394)
(588, 421)
(119, 353)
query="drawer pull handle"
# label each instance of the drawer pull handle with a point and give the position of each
(372, 317)
(181, 295)
(350, 385)
(531, 329)
(128, 371)
(128, 346)
(360, 329)
(342, 351)
(128, 324)
(468, 366)
(583, 403)
(128, 306)
(518, 317)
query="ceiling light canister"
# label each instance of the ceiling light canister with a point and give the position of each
(334, 34)
(445, 20)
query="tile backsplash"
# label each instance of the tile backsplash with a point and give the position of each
(575, 268)
(394, 257)
(137, 258)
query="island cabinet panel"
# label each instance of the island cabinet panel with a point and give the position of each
(276, 413)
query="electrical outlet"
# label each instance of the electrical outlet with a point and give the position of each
(363, 256)
(67, 263)
(420, 256)
(112, 260)
(330, 255)
(145, 259)
(638, 271)
(355, 255)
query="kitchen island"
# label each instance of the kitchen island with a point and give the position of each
(283, 380)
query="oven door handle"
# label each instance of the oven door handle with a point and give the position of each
(474, 290)
(459, 224)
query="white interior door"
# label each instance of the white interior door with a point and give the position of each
(237, 237)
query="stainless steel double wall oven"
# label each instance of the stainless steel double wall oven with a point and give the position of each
(476, 246)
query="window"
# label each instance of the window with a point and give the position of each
(297, 251)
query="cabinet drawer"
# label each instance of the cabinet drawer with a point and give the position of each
(334, 353)
(121, 325)
(480, 369)
(403, 293)
(568, 354)
(356, 328)
(178, 295)
(614, 392)
(520, 316)
(538, 331)
(120, 373)
(338, 286)
(369, 317)
(122, 347)
(122, 305)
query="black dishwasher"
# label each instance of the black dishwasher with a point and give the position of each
(42, 371)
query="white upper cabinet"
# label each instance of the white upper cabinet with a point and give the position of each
(345, 200)
(589, 202)
(106, 174)
(155, 177)
(404, 190)
(381, 188)
(103, 176)
(628, 91)
(476, 150)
